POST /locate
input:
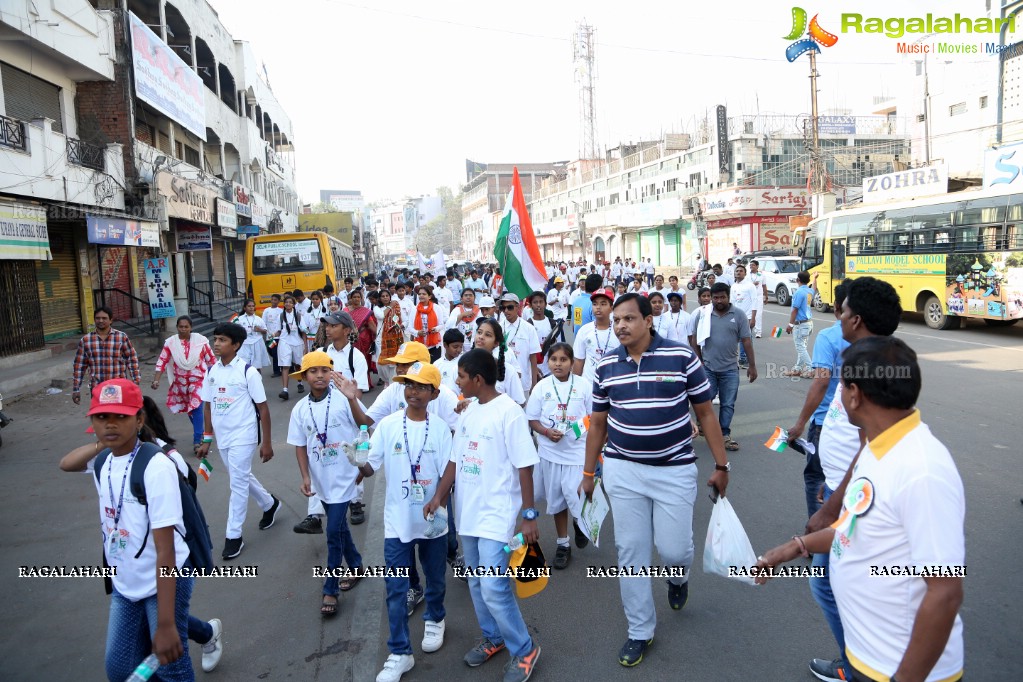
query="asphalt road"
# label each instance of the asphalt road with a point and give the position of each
(56, 628)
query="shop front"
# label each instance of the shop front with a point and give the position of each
(24, 246)
(121, 247)
(750, 218)
(192, 214)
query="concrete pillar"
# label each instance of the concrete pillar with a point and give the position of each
(163, 23)
(180, 285)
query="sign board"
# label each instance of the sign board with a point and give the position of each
(227, 218)
(722, 130)
(121, 232)
(23, 234)
(164, 81)
(836, 125)
(1003, 166)
(161, 294)
(303, 249)
(907, 184)
(242, 201)
(187, 200)
(195, 238)
(749, 202)
(248, 230)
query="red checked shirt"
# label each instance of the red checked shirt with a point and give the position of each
(110, 358)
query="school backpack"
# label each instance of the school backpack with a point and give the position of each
(197, 531)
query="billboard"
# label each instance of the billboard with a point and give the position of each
(337, 225)
(164, 81)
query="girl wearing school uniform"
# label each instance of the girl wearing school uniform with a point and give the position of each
(253, 351)
(490, 337)
(290, 345)
(318, 309)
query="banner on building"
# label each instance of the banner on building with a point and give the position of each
(248, 230)
(121, 232)
(907, 184)
(161, 293)
(1002, 166)
(195, 238)
(23, 234)
(165, 81)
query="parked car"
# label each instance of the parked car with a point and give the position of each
(780, 276)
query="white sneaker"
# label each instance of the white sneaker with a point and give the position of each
(213, 649)
(395, 666)
(758, 335)
(716, 401)
(433, 636)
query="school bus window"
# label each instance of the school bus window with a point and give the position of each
(291, 255)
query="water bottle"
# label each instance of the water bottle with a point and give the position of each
(438, 523)
(145, 670)
(516, 542)
(362, 445)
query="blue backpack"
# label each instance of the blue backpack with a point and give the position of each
(197, 531)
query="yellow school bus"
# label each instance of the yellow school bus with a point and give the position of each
(276, 263)
(951, 256)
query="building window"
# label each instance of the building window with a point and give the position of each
(613, 199)
(27, 97)
(192, 157)
(983, 102)
(957, 109)
(669, 186)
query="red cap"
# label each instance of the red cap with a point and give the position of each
(607, 293)
(117, 396)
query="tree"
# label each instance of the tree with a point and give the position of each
(324, 207)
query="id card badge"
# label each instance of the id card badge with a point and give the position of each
(115, 546)
(561, 427)
(418, 492)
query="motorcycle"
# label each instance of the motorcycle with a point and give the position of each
(4, 419)
(698, 280)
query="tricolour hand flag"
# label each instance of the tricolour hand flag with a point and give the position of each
(579, 427)
(233, 318)
(778, 441)
(205, 469)
(776, 332)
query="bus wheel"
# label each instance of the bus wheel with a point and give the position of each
(1000, 323)
(818, 303)
(935, 317)
(782, 294)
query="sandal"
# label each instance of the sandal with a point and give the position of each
(348, 583)
(328, 608)
(731, 445)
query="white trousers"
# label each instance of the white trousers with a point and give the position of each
(238, 461)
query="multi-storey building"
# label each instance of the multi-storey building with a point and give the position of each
(396, 224)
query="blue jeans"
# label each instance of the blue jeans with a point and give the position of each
(493, 598)
(197, 425)
(402, 554)
(820, 588)
(340, 544)
(813, 474)
(742, 354)
(130, 634)
(726, 385)
(199, 631)
(452, 535)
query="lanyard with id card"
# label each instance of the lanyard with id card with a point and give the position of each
(115, 545)
(418, 491)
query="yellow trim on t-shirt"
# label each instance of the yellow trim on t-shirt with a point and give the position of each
(893, 434)
(867, 671)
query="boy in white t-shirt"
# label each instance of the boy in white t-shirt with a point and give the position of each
(521, 339)
(323, 426)
(413, 450)
(595, 339)
(556, 411)
(492, 460)
(447, 365)
(272, 324)
(678, 318)
(148, 614)
(229, 391)
(290, 343)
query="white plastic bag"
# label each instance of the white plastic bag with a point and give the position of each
(727, 544)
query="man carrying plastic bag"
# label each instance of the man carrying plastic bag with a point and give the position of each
(728, 548)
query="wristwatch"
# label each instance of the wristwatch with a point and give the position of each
(726, 467)
(530, 514)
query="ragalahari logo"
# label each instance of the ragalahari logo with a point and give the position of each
(816, 36)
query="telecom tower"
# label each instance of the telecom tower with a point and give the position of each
(585, 74)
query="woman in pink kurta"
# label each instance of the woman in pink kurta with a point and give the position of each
(191, 356)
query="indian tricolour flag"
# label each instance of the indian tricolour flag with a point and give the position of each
(515, 247)
(778, 441)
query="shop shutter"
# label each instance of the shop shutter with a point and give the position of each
(669, 246)
(201, 269)
(27, 97)
(219, 263)
(21, 326)
(115, 271)
(58, 285)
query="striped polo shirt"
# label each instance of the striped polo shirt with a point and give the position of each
(648, 403)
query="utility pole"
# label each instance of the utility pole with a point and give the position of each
(819, 180)
(585, 63)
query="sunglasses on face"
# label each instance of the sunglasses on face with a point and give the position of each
(509, 307)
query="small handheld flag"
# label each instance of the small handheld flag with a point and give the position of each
(234, 318)
(776, 332)
(205, 469)
(778, 441)
(580, 427)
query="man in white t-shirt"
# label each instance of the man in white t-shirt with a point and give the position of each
(443, 296)
(744, 296)
(759, 283)
(595, 339)
(648, 268)
(616, 271)
(521, 339)
(897, 552)
(407, 304)
(557, 299)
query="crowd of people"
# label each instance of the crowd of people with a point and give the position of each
(488, 411)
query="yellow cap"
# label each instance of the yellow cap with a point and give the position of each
(411, 351)
(421, 373)
(315, 359)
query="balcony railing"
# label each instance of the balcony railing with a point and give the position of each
(12, 133)
(84, 154)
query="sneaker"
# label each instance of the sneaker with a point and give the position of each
(678, 595)
(380, 382)
(310, 524)
(758, 335)
(632, 651)
(458, 568)
(414, 598)
(232, 548)
(482, 652)
(743, 365)
(433, 636)
(716, 401)
(213, 649)
(283, 395)
(562, 556)
(358, 513)
(519, 668)
(270, 514)
(580, 537)
(829, 671)
(301, 388)
(395, 666)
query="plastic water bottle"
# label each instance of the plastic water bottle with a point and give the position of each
(362, 445)
(513, 544)
(438, 521)
(145, 670)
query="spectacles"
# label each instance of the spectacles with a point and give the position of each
(417, 387)
(509, 307)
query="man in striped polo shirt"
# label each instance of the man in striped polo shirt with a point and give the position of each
(641, 397)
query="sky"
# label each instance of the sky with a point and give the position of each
(391, 96)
